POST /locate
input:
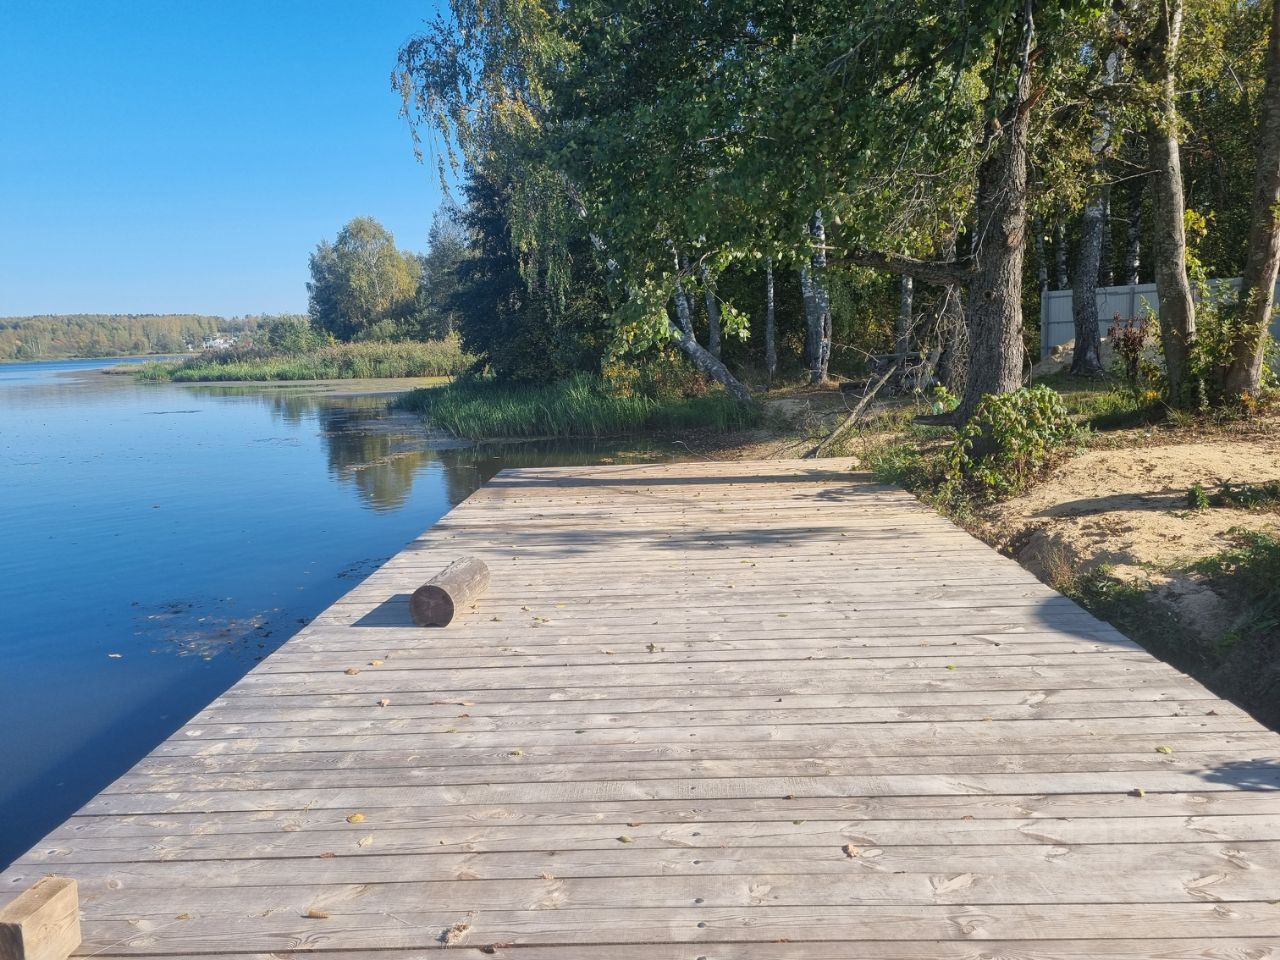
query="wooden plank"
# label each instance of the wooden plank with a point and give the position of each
(428, 833)
(425, 928)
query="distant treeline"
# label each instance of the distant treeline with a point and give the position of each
(104, 335)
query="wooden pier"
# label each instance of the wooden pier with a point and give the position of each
(733, 711)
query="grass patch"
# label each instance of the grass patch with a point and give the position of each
(1247, 573)
(1103, 404)
(1240, 496)
(341, 361)
(1129, 607)
(583, 406)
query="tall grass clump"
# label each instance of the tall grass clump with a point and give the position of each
(582, 406)
(336, 361)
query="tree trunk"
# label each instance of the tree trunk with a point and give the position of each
(713, 314)
(1133, 233)
(684, 311)
(1086, 358)
(902, 330)
(1169, 247)
(708, 365)
(1106, 258)
(770, 326)
(994, 315)
(1257, 290)
(817, 305)
(1042, 264)
(953, 363)
(1060, 256)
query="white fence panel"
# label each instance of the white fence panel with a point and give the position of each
(1132, 300)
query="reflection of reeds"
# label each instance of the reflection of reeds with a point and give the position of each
(342, 361)
(578, 407)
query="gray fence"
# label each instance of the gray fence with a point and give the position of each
(1133, 300)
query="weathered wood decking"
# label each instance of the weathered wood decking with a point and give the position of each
(748, 711)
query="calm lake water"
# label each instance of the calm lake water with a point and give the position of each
(157, 540)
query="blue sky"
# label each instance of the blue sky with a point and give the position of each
(187, 155)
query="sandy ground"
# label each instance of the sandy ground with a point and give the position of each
(1127, 507)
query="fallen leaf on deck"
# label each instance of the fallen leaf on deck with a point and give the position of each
(364, 841)
(183, 916)
(1137, 792)
(356, 818)
(384, 702)
(375, 663)
(850, 850)
(1163, 749)
(624, 839)
(547, 876)
(517, 752)
(314, 914)
(352, 671)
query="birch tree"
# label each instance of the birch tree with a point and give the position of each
(1157, 58)
(1244, 370)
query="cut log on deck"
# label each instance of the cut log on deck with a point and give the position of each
(737, 711)
(437, 602)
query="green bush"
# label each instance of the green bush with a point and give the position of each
(1009, 439)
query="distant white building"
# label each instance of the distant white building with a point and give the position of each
(221, 341)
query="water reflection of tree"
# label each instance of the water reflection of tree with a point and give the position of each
(366, 450)
(381, 453)
(290, 405)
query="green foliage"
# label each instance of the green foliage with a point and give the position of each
(339, 361)
(1010, 438)
(525, 332)
(943, 400)
(436, 306)
(1242, 496)
(1197, 497)
(288, 335)
(1247, 573)
(103, 335)
(582, 406)
(1129, 607)
(361, 285)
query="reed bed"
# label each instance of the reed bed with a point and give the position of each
(582, 406)
(341, 361)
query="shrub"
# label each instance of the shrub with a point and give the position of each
(1009, 439)
(1197, 497)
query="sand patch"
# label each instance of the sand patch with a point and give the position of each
(1127, 508)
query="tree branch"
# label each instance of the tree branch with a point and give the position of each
(944, 272)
